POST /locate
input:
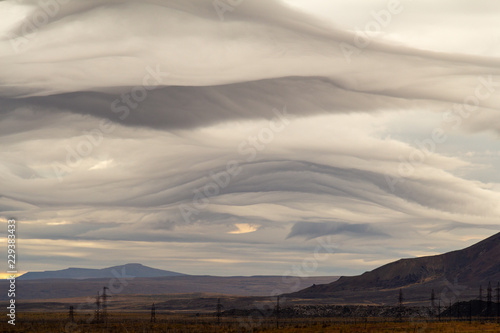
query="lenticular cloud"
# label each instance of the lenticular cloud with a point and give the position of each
(221, 63)
(114, 115)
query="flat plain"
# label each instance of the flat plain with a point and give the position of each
(130, 322)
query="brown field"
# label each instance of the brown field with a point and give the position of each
(140, 322)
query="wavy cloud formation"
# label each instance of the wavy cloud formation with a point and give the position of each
(131, 125)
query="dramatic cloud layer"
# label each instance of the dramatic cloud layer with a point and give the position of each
(239, 139)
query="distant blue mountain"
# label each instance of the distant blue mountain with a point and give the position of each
(135, 270)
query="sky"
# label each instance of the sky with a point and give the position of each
(248, 137)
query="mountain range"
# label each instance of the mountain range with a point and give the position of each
(137, 279)
(133, 270)
(453, 275)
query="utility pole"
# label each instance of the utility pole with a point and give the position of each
(451, 313)
(433, 301)
(278, 312)
(71, 314)
(439, 309)
(470, 312)
(489, 300)
(153, 313)
(480, 300)
(219, 311)
(400, 301)
(498, 301)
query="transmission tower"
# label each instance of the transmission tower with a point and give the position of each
(105, 297)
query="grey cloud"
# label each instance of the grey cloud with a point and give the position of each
(184, 107)
(310, 230)
(449, 226)
(71, 231)
(384, 76)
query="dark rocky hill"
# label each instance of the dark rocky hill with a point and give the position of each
(457, 274)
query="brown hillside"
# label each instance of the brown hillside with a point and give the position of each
(467, 268)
